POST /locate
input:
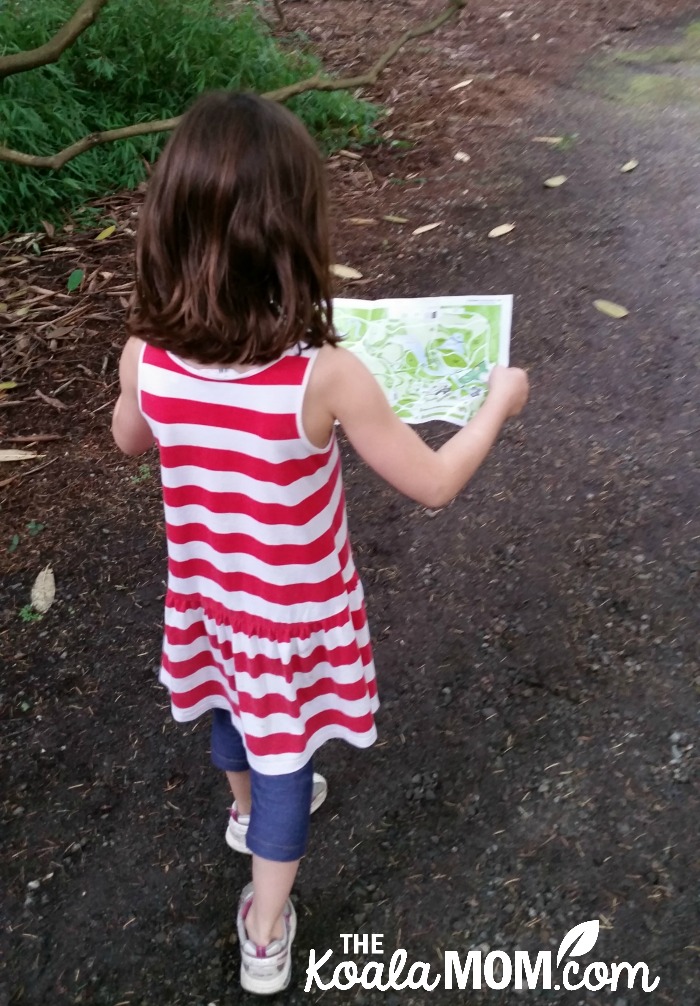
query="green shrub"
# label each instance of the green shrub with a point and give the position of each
(141, 60)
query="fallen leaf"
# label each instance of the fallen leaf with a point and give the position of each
(630, 166)
(611, 309)
(351, 155)
(106, 233)
(7, 385)
(461, 156)
(48, 227)
(551, 140)
(555, 181)
(345, 272)
(14, 454)
(462, 83)
(44, 591)
(74, 280)
(428, 227)
(361, 221)
(498, 232)
(395, 220)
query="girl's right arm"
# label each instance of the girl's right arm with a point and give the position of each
(131, 432)
(345, 390)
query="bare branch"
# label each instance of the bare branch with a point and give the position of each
(315, 83)
(57, 161)
(281, 17)
(280, 14)
(17, 62)
(319, 83)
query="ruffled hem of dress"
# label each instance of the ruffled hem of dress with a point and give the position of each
(282, 764)
(280, 632)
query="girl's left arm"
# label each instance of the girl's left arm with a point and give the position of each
(131, 432)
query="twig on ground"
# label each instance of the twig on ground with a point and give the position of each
(53, 402)
(33, 438)
(29, 471)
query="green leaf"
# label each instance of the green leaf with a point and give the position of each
(27, 614)
(13, 544)
(143, 475)
(74, 280)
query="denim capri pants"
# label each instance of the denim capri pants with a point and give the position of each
(281, 804)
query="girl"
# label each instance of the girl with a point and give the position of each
(233, 368)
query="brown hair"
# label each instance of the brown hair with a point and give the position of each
(232, 252)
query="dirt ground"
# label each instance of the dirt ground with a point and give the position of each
(536, 641)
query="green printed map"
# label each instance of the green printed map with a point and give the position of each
(431, 355)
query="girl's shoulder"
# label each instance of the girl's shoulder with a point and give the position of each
(339, 384)
(332, 364)
(130, 358)
(338, 373)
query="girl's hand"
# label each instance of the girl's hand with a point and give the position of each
(341, 387)
(511, 386)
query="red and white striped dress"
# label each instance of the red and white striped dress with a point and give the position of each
(264, 612)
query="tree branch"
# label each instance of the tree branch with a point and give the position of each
(319, 83)
(281, 17)
(315, 83)
(66, 35)
(280, 14)
(57, 161)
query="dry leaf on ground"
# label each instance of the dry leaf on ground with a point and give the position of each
(427, 227)
(106, 233)
(461, 156)
(611, 309)
(551, 140)
(499, 232)
(13, 454)
(630, 166)
(462, 83)
(395, 220)
(555, 182)
(44, 591)
(345, 272)
(361, 221)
